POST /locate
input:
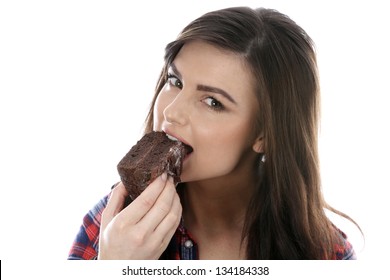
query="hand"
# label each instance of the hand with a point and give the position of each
(144, 228)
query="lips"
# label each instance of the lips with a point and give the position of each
(187, 147)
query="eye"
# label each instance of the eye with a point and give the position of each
(174, 81)
(213, 103)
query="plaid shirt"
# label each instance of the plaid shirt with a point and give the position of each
(181, 247)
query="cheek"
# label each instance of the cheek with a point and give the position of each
(226, 141)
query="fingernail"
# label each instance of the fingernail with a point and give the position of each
(164, 177)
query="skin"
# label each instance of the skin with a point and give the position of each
(144, 228)
(208, 103)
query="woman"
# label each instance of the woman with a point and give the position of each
(239, 86)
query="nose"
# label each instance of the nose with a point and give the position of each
(176, 112)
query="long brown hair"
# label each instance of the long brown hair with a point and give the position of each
(286, 218)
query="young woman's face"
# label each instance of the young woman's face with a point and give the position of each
(209, 103)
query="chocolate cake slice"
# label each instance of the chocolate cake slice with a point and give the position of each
(153, 155)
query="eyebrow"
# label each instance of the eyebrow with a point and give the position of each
(216, 90)
(204, 87)
(175, 71)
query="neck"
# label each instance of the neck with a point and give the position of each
(214, 212)
(216, 205)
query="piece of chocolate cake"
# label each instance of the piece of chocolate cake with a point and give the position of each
(153, 155)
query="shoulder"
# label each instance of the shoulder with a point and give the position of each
(343, 249)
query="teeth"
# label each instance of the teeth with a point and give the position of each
(172, 138)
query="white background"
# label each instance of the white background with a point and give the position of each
(76, 79)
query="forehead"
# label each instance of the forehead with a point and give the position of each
(204, 63)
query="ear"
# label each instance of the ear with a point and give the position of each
(258, 146)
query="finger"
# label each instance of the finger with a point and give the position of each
(114, 204)
(145, 201)
(166, 229)
(160, 209)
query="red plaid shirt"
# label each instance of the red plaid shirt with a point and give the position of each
(181, 247)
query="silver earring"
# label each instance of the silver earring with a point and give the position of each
(263, 158)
